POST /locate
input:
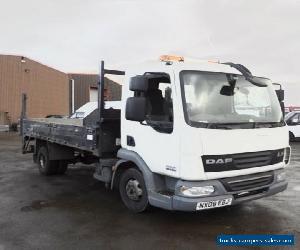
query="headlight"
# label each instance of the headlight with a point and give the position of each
(197, 191)
(281, 177)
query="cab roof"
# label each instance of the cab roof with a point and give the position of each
(177, 66)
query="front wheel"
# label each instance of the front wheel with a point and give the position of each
(133, 190)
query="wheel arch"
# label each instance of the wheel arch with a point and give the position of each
(154, 182)
(118, 169)
(129, 159)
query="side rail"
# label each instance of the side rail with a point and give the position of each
(83, 138)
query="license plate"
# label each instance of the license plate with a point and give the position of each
(213, 204)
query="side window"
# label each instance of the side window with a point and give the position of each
(293, 120)
(296, 118)
(160, 105)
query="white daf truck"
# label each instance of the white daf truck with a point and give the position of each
(189, 136)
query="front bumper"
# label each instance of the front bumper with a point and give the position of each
(179, 202)
(189, 204)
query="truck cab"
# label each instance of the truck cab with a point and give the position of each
(203, 134)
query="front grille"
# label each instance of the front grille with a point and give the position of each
(251, 160)
(218, 163)
(248, 182)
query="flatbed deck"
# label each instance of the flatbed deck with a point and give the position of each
(63, 131)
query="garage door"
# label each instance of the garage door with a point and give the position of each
(93, 94)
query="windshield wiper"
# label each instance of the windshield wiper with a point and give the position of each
(244, 125)
(230, 125)
(268, 124)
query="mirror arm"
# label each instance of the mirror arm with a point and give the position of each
(277, 84)
(249, 79)
(245, 72)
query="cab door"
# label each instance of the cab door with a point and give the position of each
(156, 139)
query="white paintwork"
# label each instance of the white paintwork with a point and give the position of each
(89, 107)
(182, 150)
(158, 150)
(295, 129)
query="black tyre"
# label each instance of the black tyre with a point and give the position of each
(62, 167)
(133, 190)
(46, 166)
(292, 137)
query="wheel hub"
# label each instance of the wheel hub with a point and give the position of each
(133, 190)
(42, 161)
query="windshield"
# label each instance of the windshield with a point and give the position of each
(219, 98)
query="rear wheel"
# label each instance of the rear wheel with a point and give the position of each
(46, 166)
(133, 190)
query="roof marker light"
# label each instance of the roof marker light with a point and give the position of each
(171, 58)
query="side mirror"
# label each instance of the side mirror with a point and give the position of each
(139, 83)
(136, 109)
(282, 107)
(280, 94)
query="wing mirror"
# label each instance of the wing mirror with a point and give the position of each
(139, 83)
(280, 94)
(136, 109)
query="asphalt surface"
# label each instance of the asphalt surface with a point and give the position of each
(75, 211)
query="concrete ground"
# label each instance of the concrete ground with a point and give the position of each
(76, 212)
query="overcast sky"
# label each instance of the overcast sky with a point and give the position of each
(74, 35)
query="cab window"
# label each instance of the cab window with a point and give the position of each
(160, 104)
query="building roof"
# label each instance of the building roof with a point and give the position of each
(25, 58)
